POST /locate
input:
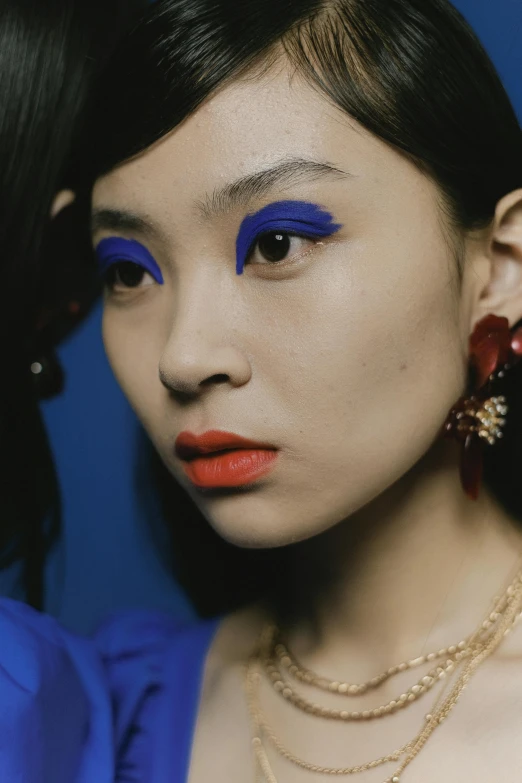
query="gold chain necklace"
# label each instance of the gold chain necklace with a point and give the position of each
(262, 728)
(416, 691)
(304, 675)
(273, 651)
(412, 694)
(481, 649)
(439, 715)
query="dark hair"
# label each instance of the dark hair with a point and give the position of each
(48, 53)
(410, 71)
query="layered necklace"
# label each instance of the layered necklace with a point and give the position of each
(274, 663)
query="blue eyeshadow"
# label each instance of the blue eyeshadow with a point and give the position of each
(115, 250)
(295, 217)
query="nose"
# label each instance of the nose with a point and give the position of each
(202, 352)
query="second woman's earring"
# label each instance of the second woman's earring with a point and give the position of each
(478, 419)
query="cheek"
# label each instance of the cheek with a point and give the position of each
(369, 360)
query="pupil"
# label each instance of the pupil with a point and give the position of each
(274, 246)
(128, 273)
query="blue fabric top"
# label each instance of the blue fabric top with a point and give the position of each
(55, 714)
(155, 669)
(119, 708)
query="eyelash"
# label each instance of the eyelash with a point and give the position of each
(115, 270)
(289, 235)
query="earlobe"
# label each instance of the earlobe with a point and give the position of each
(502, 293)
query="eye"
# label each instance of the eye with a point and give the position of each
(276, 246)
(123, 275)
(126, 264)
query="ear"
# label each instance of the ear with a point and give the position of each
(500, 281)
(61, 200)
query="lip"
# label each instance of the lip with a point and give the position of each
(219, 460)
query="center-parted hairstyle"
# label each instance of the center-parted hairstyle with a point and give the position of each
(412, 72)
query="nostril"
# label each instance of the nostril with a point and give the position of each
(215, 380)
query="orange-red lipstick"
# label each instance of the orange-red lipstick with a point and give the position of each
(220, 460)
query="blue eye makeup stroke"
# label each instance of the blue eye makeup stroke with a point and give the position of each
(115, 250)
(293, 217)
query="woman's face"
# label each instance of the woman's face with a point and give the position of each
(295, 287)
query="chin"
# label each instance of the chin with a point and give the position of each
(249, 520)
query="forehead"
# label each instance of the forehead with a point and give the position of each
(246, 127)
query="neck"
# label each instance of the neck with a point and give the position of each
(419, 568)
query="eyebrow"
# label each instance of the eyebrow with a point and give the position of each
(283, 174)
(232, 196)
(109, 219)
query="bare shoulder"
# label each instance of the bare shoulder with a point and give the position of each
(235, 641)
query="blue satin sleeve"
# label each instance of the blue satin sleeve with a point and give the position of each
(118, 708)
(155, 668)
(55, 706)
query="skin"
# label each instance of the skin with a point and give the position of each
(346, 358)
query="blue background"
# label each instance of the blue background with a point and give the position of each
(107, 559)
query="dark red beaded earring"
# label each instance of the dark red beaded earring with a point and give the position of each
(478, 419)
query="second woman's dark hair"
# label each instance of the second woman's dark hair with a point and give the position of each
(48, 53)
(410, 71)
